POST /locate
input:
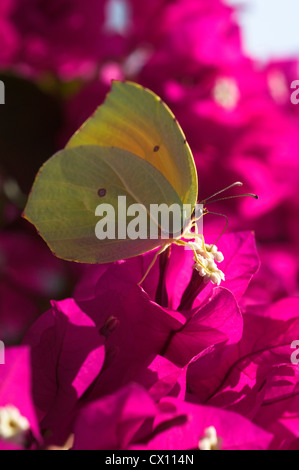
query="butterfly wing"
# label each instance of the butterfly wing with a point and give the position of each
(135, 119)
(74, 182)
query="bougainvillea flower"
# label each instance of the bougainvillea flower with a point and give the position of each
(137, 329)
(227, 100)
(205, 428)
(140, 332)
(18, 422)
(139, 325)
(132, 421)
(257, 377)
(67, 355)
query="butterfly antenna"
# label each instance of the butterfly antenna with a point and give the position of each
(254, 196)
(237, 184)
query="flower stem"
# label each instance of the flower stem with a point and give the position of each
(195, 286)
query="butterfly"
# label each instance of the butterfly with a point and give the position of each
(131, 146)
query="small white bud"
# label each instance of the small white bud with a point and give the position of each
(210, 441)
(13, 426)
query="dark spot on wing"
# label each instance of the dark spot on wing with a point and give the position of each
(157, 148)
(185, 141)
(102, 192)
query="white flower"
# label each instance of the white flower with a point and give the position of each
(213, 250)
(205, 257)
(226, 93)
(210, 441)
(208, 269)
(13, 426)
